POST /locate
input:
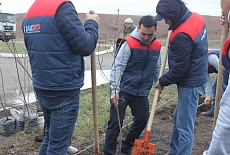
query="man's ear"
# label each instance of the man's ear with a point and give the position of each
(138, 27)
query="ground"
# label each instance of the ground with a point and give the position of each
(110, 25)
(161, 132)
(24, 144)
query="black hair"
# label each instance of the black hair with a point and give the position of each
(147, 21)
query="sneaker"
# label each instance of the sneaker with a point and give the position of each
(207, 113)
(72, 150)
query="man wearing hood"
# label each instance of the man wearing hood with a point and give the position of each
(188, 69)
(134, 69)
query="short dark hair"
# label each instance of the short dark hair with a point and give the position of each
(147, 21)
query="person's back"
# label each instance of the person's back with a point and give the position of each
(189, 61)
(55, 52)
(56, 42)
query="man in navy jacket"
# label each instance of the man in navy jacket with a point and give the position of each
(56, 41)
(188, 69)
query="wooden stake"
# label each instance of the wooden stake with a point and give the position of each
(220, 73)
(94, 98)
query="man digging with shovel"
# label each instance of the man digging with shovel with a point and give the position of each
(188, 69)
(135, 67)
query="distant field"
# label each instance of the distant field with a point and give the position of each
(110, 26)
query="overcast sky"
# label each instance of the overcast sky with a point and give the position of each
(128, 7)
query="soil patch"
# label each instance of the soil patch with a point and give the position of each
(24, 144)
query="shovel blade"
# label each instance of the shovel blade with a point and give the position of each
(142, 147)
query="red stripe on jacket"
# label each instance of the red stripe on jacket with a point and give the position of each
(192, 26)
(44, 8)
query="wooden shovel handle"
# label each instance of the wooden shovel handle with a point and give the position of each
(94, 99)
(149, 125)
(202, 104)
(224, 36)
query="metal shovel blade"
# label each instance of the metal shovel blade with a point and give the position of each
(143, 147)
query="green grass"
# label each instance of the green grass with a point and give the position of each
(85, 122)
(19, 47)
(84, 130)
(85, 117)
(12, 47)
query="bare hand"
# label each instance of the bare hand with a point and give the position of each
(160, 89)
(114, 99)
(222, 18)
(207, 101)
(92, 15)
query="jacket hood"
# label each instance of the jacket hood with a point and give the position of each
(174, 10)
(136, 35)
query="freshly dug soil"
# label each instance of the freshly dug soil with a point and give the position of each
(24, 144)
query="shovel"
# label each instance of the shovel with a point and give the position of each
(143, 147)
(202, 104)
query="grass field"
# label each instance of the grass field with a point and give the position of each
(18, 47)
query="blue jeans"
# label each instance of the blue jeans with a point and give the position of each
(60, 114)
(213, 94)
(140, 110)
(183, 119)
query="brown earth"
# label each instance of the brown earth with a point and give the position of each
(24, 144)
(110, 26)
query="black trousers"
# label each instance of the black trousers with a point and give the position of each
(140, 110)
